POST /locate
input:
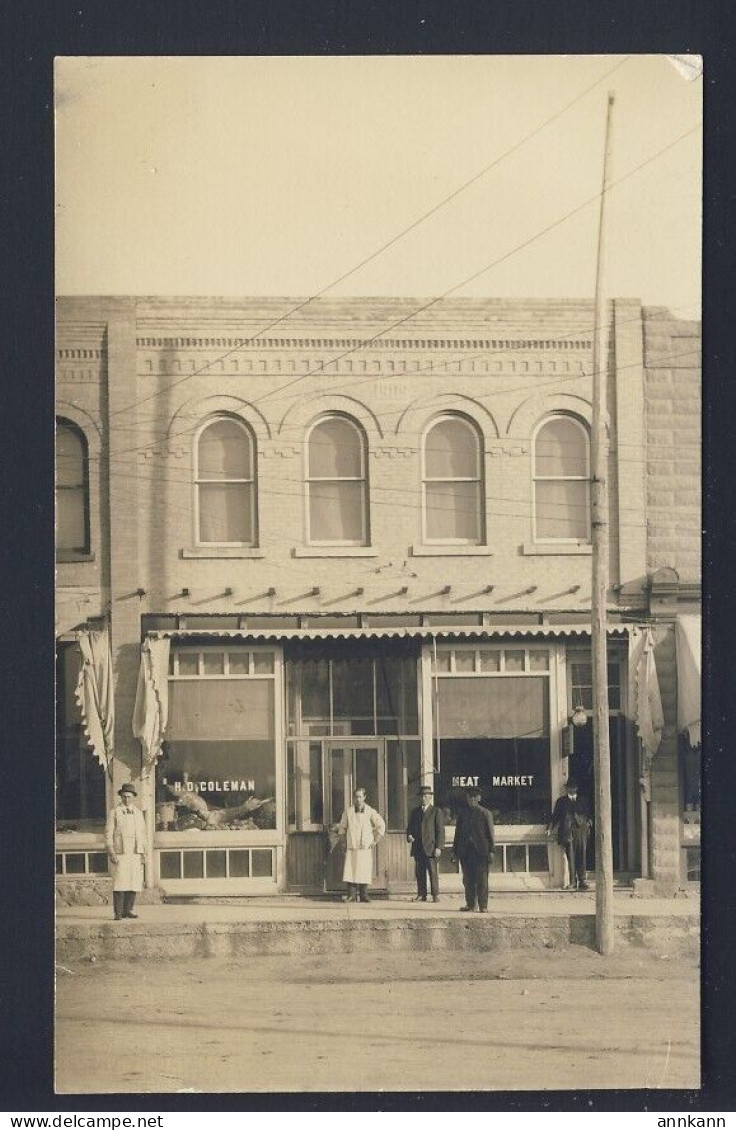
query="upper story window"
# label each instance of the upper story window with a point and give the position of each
(452, 482)
(561, 471)
(72, 490)
(337, 483)
(225, 484)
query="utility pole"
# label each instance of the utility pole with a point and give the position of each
(599, 592)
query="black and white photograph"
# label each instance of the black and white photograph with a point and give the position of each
(378, 573)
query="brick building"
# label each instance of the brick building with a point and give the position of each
(351, 544)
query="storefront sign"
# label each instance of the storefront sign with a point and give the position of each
(241, 786)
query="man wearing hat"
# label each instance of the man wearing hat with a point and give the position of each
(426, 834)
(570, 819)
(126, 844)
(473, 846)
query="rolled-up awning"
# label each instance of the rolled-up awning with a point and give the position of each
(646, 699)
(94, 693)
(688, 637)
(151, 709)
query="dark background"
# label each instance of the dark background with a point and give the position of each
(32, 33)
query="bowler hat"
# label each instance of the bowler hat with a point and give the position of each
(572, 786)
(474, 791)
(425, 789)
(127, 789)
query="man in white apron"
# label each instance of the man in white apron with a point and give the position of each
(126, 844)
(362, 827)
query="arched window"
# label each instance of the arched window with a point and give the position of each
(337, 485)
(225, 484)
(452, 482)
(72, 490)
(562, 480)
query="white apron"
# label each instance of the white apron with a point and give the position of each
(362, 831)
(126, 838)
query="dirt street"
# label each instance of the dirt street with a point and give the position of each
(498, 1021)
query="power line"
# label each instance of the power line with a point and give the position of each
(400, 235)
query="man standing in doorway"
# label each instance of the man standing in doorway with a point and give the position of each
(473, 846)
(426, 834)
(126, 845)
(571, 821)
(363, 828)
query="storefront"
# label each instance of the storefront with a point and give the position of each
(266, 739)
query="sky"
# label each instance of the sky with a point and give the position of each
(260, 176)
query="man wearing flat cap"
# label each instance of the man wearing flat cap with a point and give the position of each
(426, 834)
(126, 845)
(473, 846)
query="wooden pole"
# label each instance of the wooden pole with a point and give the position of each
(599, 592)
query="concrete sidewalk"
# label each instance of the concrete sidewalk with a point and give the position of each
(293, 925)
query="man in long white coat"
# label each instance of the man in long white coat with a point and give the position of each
(363, 828)
(126, 846)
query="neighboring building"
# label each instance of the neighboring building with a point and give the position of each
(354, 543)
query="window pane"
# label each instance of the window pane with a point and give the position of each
(239, 662)
(366, 774)
(315, 783)
(290, 784)
(337, 784)
(464, 660)
(538, 660)
(75, 863)
(216, 865)
(239, 864)
(224, 452)
(452, 511)
(80, 779)
(515, 857)
(194, 865)
(538, 860)
(336, 511)
(69, 456)
(225, 512)
(98, 862)
(263, 663)
(513, 661)
(395, 819)
(451, 451)
(262, 863)
(561, 448)
(490, 660)
(562, 509)
(71, 520)
(352, 693)
(170, 865)
(335, 451)
(315, 686)
(396, 695)
(221, 708)
(214, 663)
(188, 662)
(493, 708)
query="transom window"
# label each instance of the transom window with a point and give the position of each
(452, 486)
(72, 490)
(337, 485)
(225, 484)
(561, 471)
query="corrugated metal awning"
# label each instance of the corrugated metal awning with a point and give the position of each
(482, 632)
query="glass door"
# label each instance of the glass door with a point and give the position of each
(349, 765)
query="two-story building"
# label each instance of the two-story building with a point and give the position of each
(308, 546)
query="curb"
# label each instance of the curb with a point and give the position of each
(114, 941)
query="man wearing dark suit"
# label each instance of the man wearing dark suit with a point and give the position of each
(426, 834)
(473, 846)
(571, 820)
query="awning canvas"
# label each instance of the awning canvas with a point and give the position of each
(151, 710)
(94, 693)
(688, 641)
